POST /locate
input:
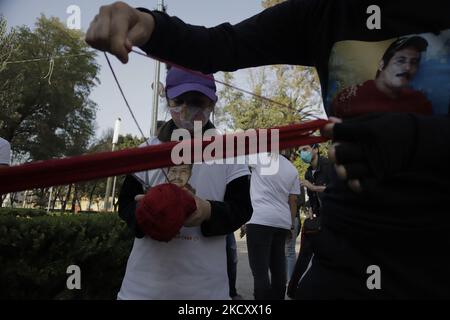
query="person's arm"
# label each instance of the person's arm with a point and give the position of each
(319, 188)
(294, 194)
(301, 200)
(229, 215)
(127, 203)
(312, 203)
(310, 186)
(293, 208)
(365, 155)
(284, 34)
(223, 217)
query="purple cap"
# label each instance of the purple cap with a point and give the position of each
(179, 81)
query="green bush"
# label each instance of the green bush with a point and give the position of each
(19, 212)
(36, 252)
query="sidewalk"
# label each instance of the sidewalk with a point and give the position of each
(244, 282)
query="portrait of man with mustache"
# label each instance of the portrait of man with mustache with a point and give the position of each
(391, 89)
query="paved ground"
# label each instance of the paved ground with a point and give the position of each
(244, 282)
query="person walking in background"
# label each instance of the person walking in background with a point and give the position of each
(291, 253)
(317, 177)
(274, 201)
(232, 261)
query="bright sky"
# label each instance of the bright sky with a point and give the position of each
(135, 77)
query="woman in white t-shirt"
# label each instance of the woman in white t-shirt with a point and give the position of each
(274, 201)
(193, 264)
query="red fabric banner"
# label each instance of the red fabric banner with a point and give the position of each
(54, 172)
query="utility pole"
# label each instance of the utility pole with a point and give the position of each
(160, 7)
(108, 182)
(49, 199)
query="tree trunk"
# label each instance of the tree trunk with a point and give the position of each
(12, 199)
(74, 199)
(91, 195)
(79, 203)
(2, 198)
(116, 205)
(55, 198)
(24, 202)
(61, 195)
(43, 201)
(63, 208)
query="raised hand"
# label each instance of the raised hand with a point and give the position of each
(118, 27)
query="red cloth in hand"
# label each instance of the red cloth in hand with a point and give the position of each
(163, 210)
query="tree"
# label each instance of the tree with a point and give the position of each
(95, 190)
(295, 90)
(295, 87)
(7, 47)
(270, 3)
(46, 110)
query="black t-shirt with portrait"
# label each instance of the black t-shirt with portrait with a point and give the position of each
(389, 56)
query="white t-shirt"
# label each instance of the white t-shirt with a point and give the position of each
(190, 266)
(5, 152)
(270, 194)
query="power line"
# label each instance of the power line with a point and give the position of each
(130, 110)
(48, 58)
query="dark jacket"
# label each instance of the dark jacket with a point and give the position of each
(320, 177)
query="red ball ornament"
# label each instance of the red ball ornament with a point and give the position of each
(163, 210)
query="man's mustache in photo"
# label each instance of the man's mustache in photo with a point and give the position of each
(405, 74)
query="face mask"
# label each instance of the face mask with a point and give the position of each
(185, 118)
(306, 156)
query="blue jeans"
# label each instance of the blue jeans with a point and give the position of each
(291, 255)
(232, 263)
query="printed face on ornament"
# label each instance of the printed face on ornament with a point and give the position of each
(401, 68)
(179, 175)
(189, 107)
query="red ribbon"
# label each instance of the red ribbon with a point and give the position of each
(107, 164)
